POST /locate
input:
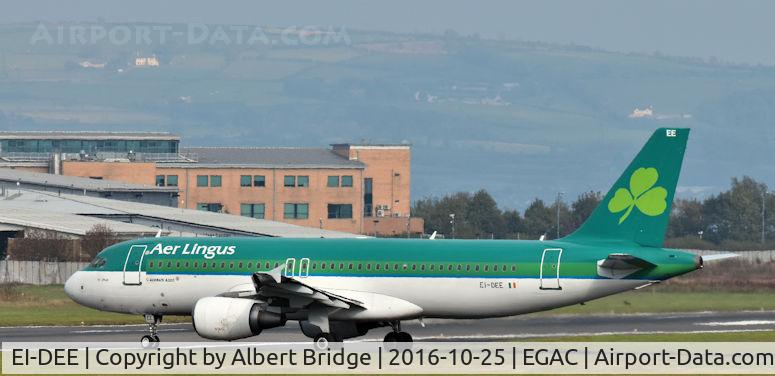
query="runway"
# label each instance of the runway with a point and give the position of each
(530, 326)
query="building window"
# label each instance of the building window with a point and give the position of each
(215, 180)
(259, 181)
(289, 181)
(340, 211)
(252, 210)
(296, 211)
(333, 181)
(172, 180)
(245, 181)
(302, 181)
(202, 180)
(159, 180)
(368, 198)
(211, 207)
(347, 181)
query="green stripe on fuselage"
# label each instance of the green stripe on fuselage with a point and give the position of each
(404, 257)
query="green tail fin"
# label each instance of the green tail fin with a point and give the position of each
(637, 208)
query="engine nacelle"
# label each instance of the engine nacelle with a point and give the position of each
(232, 318)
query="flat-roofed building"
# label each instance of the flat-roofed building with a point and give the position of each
(357, 188)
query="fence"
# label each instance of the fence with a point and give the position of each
(38, 272)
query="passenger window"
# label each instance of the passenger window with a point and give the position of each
(431, 267)
(422, 267)
(169, 264)
(360, 266)
(368, 266)
(487, 268)
(196, 264)
(332, 266)
(239, 265)
(468, 268)
(350, 267)
(250, 265)
(204, 265)
(414, 267)
(314, 266)
(377, 266)
(449, 268)
(322, 266)
(476, 268)
(212, 265)
(459, 267)
(341, 266)
(405, 267)
(513, 268)
(187, 264)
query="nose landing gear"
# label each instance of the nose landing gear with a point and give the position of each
(397, 335)
(151, 339)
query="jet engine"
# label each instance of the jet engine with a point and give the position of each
(232, 318)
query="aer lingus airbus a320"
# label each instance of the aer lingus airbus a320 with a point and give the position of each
(341, 288)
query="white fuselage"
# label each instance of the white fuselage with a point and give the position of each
(463, 297)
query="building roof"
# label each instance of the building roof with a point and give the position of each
(87, 135)
(265, 158)
(371, 146)
(12, 176)
(77, 214)
(70, 223)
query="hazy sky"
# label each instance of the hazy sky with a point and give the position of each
(740, 31)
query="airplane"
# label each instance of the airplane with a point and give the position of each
(236, 287)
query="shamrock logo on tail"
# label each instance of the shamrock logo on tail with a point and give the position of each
(649, 200)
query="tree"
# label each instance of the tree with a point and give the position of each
(686, 219)
(513, 223)
(583, 207)
(538, 219)
(99, 237)
(483, 215)
(736, 213)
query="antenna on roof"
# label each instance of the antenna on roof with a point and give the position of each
(158, 234)
(433, 236)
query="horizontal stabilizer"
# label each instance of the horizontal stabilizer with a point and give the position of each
(620, 265)
(719, 256)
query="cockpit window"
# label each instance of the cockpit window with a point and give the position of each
(98, 262)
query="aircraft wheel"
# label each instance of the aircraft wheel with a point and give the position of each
(404, 337)
(147, 341)
(391, 337)
(156, 339)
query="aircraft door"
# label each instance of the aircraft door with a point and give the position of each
(550, 269)
(290, 267)
(134, 264)
(304, 268)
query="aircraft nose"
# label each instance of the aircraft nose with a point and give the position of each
(73, 286)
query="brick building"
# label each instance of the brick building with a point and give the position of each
(353, 188)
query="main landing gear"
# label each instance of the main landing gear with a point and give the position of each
(151, 339)
(397, 335)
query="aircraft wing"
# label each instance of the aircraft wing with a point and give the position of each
(274, 285)
(620, 265)
(341, 304)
